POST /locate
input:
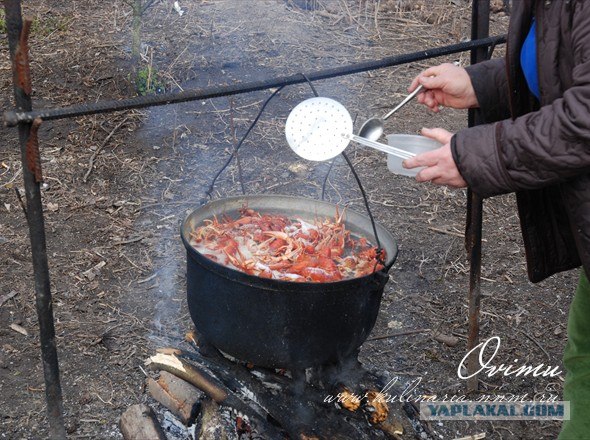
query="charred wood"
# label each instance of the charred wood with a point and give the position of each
(139, 423)
(177, 395)
(176, 366)
(217, 391)
(298, 404)
(212, 426)
(297, 407)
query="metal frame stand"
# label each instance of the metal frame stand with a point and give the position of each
(480, 21)
(28, 122)
(18, 33)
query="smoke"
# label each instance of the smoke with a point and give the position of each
(165, 293)
(187, 143)
(168, 299)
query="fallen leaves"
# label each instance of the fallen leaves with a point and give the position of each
(91, 273)
(7, 296)
(449, 340)
(19, 329)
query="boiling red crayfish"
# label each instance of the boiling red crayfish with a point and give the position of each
(272, 246)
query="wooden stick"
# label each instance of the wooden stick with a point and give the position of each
(99, 149)
(444, 231)
(219, 393)
(212, 427)
(176, 394)
(479, 436)
(139, 423)
(285, 407)
(395, 335)
(169, 350)
(8, 296)
(537, 343)
(182, 369)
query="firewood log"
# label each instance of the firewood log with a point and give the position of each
(187, 372)
(212, 427)
(289, 408)
(140, 423)
(177, 395)
(216, 390)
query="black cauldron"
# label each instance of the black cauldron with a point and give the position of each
(282, 324)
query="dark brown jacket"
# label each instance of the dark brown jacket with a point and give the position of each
(540, 152)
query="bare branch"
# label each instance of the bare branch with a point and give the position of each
(147, 5)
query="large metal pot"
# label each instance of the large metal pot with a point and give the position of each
(275, 323)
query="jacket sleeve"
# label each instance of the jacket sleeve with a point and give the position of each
(538, 149)
(490, 83)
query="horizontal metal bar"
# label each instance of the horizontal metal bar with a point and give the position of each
(12, 117)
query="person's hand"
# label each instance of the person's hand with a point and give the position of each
(445, 85)
(440, 165)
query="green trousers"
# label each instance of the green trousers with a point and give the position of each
(576, 359)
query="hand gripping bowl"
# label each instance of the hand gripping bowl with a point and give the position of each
(282, 324)
(413, 144)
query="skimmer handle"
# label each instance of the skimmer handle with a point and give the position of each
(381, 147)
(404, 102)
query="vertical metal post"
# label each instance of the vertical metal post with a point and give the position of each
(480, 20)
(18, 43)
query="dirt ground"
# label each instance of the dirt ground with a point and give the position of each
(117, 187)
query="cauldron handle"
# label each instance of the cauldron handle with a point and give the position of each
(237, 148)
(381, 277)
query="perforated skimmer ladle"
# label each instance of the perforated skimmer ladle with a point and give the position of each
(321, 128)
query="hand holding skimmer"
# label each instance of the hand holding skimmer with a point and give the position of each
(321, 128)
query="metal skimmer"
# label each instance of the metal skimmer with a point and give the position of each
(321, 128)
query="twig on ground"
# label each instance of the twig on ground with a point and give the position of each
(444, 231)
(376, 18)
(131, 240)
(395, 335)
(479, 436)
(145, 280)
(13, 178)
(20, 201)
(99, 149)
(537, 343)
(8, 296)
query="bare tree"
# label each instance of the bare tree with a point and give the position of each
(139, 7)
